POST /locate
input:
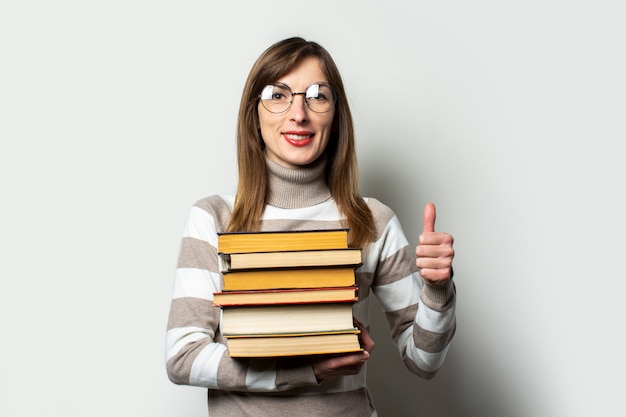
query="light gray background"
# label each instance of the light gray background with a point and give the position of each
(116, 116)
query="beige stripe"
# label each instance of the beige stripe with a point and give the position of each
(432, 342)
(423, 339)
(218, 208)
(179, 366)
(382, 215)
(399, 320)
(232, 373)
(364, 282)
(346, 404)
(397, 266)
(292, 371)
(193, 312)
(195, 253)
(415, 369)
(439, 297)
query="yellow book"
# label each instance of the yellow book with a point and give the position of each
(262, 279)
(268, 241)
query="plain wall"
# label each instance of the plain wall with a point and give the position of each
(116, 116)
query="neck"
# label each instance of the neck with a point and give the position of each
(297, 187)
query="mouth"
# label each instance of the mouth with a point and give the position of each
(298, 138)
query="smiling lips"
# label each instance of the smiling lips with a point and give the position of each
(298, 138)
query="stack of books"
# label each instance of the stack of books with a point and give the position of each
(288, 293)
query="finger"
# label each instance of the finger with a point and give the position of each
(435, 245)
(434, 263)
(348, 362)
(429, 217)
(436, 276)
(358, 324)
(367, 343)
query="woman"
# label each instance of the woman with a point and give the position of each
(298, 170)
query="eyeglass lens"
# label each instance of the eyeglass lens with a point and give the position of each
(277, 98)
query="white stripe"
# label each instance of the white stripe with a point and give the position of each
(399, 294)
(326, 211)
(177, 338)
(200, 225)
(403, 338)
(426, 361)
(434, 321)
(197, 283)
(205, 366)
(394, 238)
(369, 257)
(261, 375)
(390, 242)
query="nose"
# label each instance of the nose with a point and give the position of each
(299, 109)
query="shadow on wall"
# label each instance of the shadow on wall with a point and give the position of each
(458, 390)
(467, 385)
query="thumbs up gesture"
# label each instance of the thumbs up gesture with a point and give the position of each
(434, 250)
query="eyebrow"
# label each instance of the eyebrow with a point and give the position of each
(314, 83)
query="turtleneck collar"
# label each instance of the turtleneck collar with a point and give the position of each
(297, 187)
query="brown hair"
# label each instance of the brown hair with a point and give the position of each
(341, 168)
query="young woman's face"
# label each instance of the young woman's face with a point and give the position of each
(299, 135)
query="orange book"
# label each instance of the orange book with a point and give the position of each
(268, 241)
(289, 278)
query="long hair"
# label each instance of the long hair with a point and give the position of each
(341, 167)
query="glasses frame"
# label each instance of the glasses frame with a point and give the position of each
(303, 94)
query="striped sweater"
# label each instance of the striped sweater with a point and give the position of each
(421, 316)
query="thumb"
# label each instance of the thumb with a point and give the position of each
(429, 217)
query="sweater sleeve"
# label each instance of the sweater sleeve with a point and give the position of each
(421, 316)
(196, 352)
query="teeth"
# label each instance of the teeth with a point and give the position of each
(296, 137)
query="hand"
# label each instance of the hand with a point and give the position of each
(434, 251)
(345, 364)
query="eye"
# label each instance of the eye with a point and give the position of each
(275, 93)
(318, 92)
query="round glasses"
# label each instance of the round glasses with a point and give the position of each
(277, 98)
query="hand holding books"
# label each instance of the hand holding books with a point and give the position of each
(346, 364)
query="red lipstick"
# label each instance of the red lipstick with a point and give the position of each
(298, 138)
